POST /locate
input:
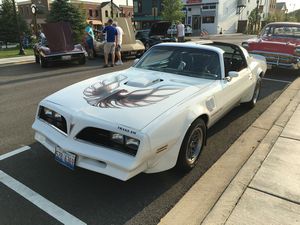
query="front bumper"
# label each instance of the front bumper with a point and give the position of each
(91, 156)
(280, 60)
(64, 57)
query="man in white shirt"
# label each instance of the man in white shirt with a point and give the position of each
(180, 32)
(119, 43)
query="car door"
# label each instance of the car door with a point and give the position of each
(233, 88)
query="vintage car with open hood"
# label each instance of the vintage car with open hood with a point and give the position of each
(152, 116)
(130, 45)
(60, 46)
(279, 43)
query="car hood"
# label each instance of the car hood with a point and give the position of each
(274, 44)
(132, 97)
(160, 28)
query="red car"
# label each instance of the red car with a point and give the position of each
(279, 43)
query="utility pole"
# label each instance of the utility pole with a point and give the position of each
(21, 52)
(112, 9)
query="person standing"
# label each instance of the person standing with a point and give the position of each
(89, 38)
(180, 32)
(120, 34)
(111, 42)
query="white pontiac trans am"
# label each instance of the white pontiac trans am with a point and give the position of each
(152, 116)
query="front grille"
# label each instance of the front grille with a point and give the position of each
(53, 118)
(102, 137)
(276, 58)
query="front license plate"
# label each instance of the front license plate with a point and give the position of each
(132, 53)
(66, 57)
(65, 158)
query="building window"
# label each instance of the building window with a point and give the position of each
(208, 19)
(21, 10)
(27, 10)
(154, 3)
(209, 7)
(106, 13)
(140, 6)
(96, 13)
(90, 13)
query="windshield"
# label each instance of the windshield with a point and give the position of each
(284, 31)
(193, 62)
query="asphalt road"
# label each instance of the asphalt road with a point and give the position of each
(94, 198)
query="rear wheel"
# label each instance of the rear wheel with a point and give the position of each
(192, 145)
(255, 96)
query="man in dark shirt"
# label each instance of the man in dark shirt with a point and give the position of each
(111, 42)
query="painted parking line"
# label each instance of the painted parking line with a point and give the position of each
(38, 200)
(282, 81)
(15, 152)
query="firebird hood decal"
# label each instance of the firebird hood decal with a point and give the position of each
(109, 94)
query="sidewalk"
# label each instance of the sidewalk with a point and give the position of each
(252, 187)
(17, 60)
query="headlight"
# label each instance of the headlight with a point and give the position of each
(118, 138)
(245, 45)
(132, 143)
(297, 51)
(125, 141)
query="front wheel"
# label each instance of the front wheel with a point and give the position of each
(43, 62)
(192, 145)
(255, 96)
(82, 60)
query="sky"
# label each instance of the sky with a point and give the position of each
(291, 4)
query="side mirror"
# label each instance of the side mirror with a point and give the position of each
(233, 74)
(136, 61)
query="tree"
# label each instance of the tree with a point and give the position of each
(254, 20)
(8, 26)
(63, 10)
(172, 10)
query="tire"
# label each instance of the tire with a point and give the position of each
(37, 59)
(82, 61)
(192, 146)
(255, 96)
(43, 62)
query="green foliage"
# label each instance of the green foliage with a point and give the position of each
(8, 25)
(63, 10)
(254, 22)
(295, 15)
(172, 10)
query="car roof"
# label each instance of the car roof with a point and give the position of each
(199, 44)
(283, 23)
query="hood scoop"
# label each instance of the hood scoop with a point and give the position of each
(143, 81)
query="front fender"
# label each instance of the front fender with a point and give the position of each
(171, 133)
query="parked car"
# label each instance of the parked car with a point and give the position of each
(152, 116)
(158, 34)
(188, 30)
(280, 43)
(142, 35)
(130, 46)
(59, 47)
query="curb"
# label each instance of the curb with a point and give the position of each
(16, 60)
(214, 196)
